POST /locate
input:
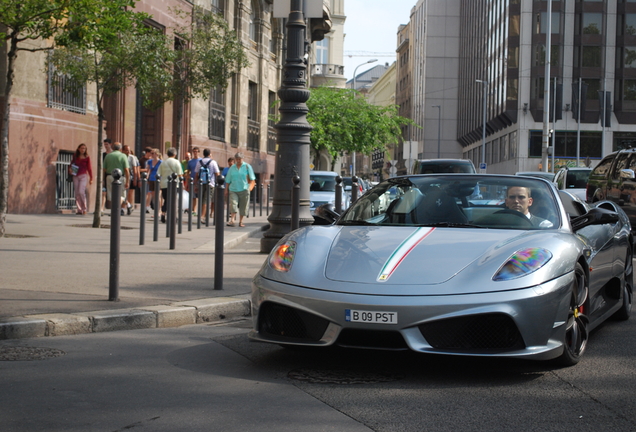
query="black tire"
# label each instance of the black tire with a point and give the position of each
(628, 290)
(576, 334)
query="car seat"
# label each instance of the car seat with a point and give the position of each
(437, 206)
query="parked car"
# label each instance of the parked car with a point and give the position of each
(613, 179)
(539, 174)
(322, 190)
(414, 264)
(434, 166)
(573, 179)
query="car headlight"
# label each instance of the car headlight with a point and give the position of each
(522, 263)
(282, 257)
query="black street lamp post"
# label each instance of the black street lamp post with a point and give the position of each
(292, 134)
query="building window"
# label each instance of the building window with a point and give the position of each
(593, 87)
(630, 24)
(322, 51)
(591, 23)
(253, 33)
(217, 6)
(253, 125)
(539, 56)
(629, 90)
(64, 93)
(216, 123)
(565, 144)
(630, 57)
(588, 56)
(271, 121)
(541, 25)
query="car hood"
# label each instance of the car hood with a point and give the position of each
(380, 255)
(417, 260)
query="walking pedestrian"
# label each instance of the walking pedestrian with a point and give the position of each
(152, 166)
(116, 160)
(82, 173)
(230, 162)
(240, 181)
(191, 172)
(211, 169)
(135, 175)
(168, 167)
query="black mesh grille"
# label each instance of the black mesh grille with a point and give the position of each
(496, 332)
(289, 323)
(372, 339)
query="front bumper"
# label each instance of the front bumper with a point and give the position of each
(524, 323)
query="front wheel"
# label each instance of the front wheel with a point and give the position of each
(576, 326)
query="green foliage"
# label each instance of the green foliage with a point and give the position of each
(343, 121)
(207, 56)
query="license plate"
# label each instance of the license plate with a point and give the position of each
(373, 317)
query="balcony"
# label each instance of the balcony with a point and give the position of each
(326, 69)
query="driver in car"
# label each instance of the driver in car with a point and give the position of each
(519, 198)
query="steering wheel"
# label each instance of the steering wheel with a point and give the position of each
(516, 213)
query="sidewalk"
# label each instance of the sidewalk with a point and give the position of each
(54, 275)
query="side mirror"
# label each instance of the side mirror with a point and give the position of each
(627, 174)
(596, 216)
(325, 215)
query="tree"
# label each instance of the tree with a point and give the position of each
(345, 122)
(207, 53)
(110, 49)
(23, 23)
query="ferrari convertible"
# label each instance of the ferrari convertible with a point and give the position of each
(423, 262)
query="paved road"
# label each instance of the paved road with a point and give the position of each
(206, 377)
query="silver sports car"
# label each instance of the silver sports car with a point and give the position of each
(523, 271)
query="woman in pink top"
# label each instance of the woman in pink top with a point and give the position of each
(82, 173)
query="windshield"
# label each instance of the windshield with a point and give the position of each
(322, 183)
(481, 201)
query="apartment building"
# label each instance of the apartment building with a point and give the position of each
(465, 51)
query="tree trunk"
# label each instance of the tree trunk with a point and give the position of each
(4, 179)
(99, 176)
(177, 144)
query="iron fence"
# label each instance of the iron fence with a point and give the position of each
(64, 190)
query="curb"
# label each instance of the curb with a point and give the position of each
(213, 310)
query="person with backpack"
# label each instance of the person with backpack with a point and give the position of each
(207, 170)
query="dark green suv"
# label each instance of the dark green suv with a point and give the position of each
(614, 179)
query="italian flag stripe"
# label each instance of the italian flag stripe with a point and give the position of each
(402, 251)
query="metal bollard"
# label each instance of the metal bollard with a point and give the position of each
(168, 204)
(354, 189)
(190, 201)
(206, 189)
(260, 200)
(155, 236)
(253, 194)
(142, 212)
(180, 204)
(227, 217)
(115, 225)
(268, 190)
(338, 204)
(172, 210)
(219, 232)
(295, 203)
(199, 204)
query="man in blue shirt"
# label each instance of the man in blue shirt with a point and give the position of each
(191, 169)
(240, 181)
